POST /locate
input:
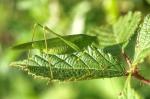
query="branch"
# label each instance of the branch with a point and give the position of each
(136, 74)
(140, 77)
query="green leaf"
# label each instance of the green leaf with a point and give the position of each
(120, 32)
(142, 48)
(91, 64)
(105, 36)
(125, 27)
(129, 92)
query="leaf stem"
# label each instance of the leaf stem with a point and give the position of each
(127, 58)
(140, 77)
(134, 71)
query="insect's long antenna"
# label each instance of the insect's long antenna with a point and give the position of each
(72, 45)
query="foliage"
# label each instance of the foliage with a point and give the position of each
(92, 62)
(119, 34)
(143, 41)
(128, 92)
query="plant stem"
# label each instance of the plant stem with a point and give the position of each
(127, 58)
(134, 72)
(140, 77)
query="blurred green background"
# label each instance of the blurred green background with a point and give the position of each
(17, 18)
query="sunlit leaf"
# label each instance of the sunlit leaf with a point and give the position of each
(91, 64)
(129, 92)
(105, 36)
(120, 32)
(143, 40)
(125, 27)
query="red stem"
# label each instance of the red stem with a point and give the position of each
(135, 72)
(141, 78)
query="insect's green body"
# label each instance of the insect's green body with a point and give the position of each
(57, 46)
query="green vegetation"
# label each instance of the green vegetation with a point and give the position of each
(103, 55)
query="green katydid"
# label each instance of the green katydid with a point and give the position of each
(60, 44)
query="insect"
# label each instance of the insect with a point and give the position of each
(59, 44)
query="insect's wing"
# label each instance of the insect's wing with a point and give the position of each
(24, 46)
(57, 46)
